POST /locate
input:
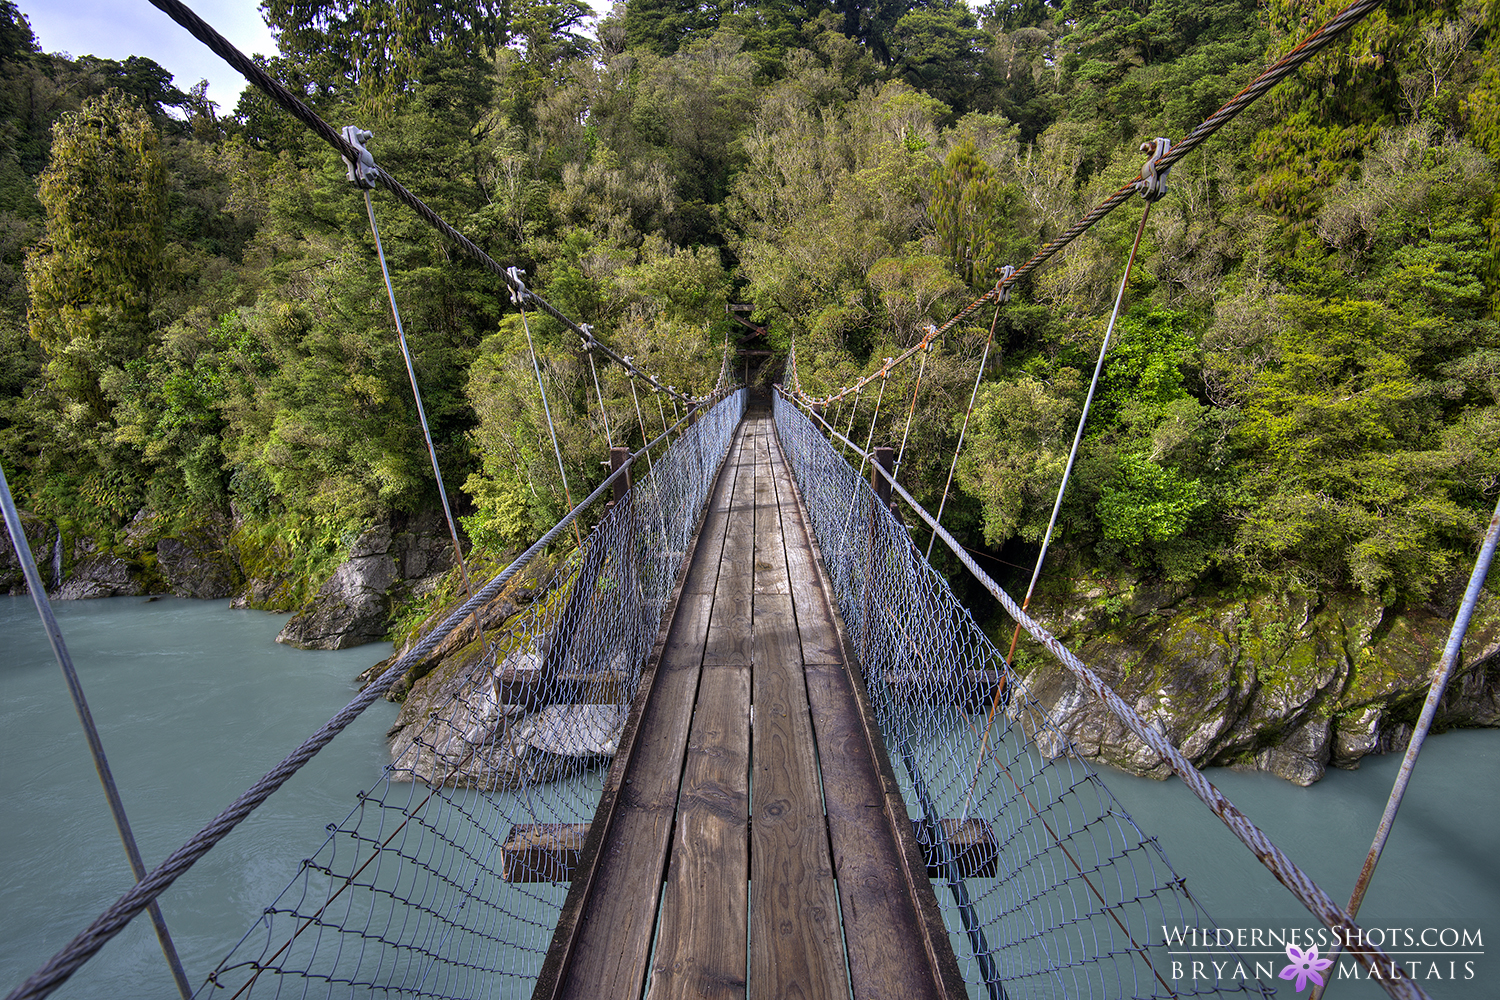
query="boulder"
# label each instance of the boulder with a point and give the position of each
(388, 564)
(353, 606)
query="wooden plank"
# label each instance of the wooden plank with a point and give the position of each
(972, 845)
(603, 938)
(770, 555)
(614, 937)
(711, 538)
(729, 630)
(700, 946)
(882, 928)
(542, 852)
(796, 948)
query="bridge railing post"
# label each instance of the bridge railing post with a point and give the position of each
(618, 456)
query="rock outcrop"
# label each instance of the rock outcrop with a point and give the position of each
(387, 564)
(45, 550)
(1271, 683)
(198, 562)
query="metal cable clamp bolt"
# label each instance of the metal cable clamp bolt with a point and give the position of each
(1153, 182)
(363, 171)
(519, 293)
(1002, 287)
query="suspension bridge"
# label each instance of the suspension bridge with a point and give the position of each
(750, 744)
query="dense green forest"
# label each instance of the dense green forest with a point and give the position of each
(1305, 394)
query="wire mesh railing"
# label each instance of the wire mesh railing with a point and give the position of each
(443, 881)
(1078, 900)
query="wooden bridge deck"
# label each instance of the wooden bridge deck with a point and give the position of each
(751, 839)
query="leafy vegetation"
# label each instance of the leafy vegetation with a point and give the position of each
(1304, 392)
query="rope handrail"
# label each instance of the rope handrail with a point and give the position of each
(1268, 78)
(114, 919)
(294, 106)
(1392, 976)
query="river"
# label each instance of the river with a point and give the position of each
(195, 702)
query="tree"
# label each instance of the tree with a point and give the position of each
(92, 277)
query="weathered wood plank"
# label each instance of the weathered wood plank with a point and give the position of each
(796, 949)
(770, 555)
(881, 925)
(542, 852)
(700, 948)
(817, 633)
(711, 537)
(729, 630)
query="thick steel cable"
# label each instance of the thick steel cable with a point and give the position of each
(603, 413)
(416, 394)
(1269, 78)
(22, 546)
(1083, 419)
(109, 923)
(1319, 903)
(1440, 678)
(870, 437)
(641, 421)
(246, 66)
(984, 359)
(520, 298)
(911, 411)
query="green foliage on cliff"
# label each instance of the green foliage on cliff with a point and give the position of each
(1303, 390)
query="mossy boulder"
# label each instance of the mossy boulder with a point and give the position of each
(1274, 682)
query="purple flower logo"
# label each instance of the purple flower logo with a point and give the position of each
(1304, 966)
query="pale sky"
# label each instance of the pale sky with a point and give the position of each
(115, 30)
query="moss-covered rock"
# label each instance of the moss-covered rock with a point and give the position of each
(1273, 682)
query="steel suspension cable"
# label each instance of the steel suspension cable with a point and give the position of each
(520, 300)
(416, 394)
(1440, 677)
(870, 436)
(603, 413)
(979, 377)
(22, 546)
(1062, 487)
(853, 412)
(1082, 422)
(641, 420)
(911, 411)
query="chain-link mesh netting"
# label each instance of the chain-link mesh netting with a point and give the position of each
(446, 880)
(1048, 886)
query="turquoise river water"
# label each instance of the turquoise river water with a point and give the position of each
(195, 702)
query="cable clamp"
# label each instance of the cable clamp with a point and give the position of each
(885, 369)
(929, 332)
(1002, 287)
(363, 172)
(589, 343)
(518, 291)
(1153, 182)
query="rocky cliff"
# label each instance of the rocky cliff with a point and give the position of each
(1269, 682)
(390, 563)
(147, 557)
